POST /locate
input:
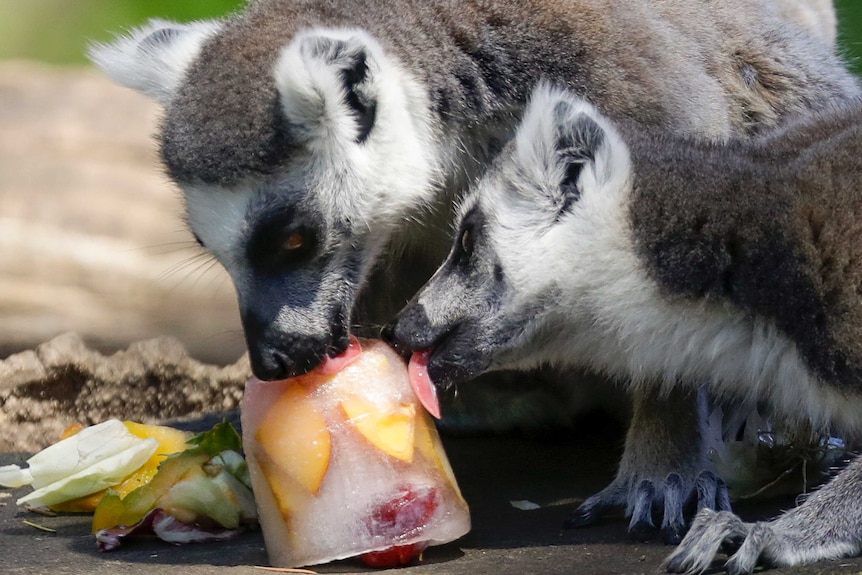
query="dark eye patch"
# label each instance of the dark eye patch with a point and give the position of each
(280, 241)
(468, 231)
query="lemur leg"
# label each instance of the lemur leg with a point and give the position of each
(662, 468)
(827, 525)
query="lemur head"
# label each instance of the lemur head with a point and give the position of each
(297, 154)
(530, 238)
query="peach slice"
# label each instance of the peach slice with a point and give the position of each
(391, 431)
(294, 436)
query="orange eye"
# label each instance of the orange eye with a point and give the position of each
(294, 241)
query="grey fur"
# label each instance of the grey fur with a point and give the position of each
(738, 264)
(712, 68)
(223, 124)
(769, 227)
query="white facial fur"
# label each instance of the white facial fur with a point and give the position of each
(373, 182)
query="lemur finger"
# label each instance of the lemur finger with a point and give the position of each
(699, 546)
(745, 559)
(641, 526)
(590, 511)
(673, 522)
(722, 496)
(594, 507)
(711, 492)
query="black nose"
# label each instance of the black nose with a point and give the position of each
(282, 360)
(412, 331)
(276, 354)
(387, 334)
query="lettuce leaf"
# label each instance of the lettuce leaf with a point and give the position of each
(204, 489)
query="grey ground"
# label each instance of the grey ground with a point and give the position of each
(492, 471)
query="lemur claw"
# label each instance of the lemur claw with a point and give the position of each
(643, 498)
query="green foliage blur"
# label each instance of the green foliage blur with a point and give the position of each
(850, 32)
(57, 31)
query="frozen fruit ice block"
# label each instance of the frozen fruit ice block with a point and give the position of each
(345, 462)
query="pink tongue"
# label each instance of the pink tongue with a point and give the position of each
(332, 365)
(421, 382)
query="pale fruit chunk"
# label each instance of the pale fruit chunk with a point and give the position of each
(294, 436)
(282, 484)
(170, 441)
(392, 431)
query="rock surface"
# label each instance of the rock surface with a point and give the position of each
(63, 381)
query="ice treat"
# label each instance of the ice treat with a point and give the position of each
(345, 462)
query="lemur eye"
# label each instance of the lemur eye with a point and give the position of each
(467, 240)
(297, 242)
(294, 242)
(280, 242)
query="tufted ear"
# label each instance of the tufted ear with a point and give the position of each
(327, 79)
(565, 144)
(153, 58)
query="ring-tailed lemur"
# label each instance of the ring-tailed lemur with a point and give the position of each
(660, 261)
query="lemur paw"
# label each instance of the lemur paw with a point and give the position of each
(803, 535)
(711, 532)
(642, 497)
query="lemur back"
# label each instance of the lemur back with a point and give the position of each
(770, 227)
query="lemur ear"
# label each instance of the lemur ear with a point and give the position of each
(569, 144)
(326, 80)
(578, 141)
(153, 58)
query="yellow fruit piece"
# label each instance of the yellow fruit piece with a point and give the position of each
(429, 445)
(86, 504)
(391, 431)
(71, 430)
(170, 441)
(283, 487)
(294, 436)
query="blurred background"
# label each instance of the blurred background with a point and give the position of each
(91, 235)
(91, 232)
(57, 31)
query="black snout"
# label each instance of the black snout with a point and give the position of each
(278, 354)
(275, 355)
(411, 331)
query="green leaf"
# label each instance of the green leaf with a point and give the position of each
(222, 437)
(205, 480)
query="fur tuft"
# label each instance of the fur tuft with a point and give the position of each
(558, 130)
